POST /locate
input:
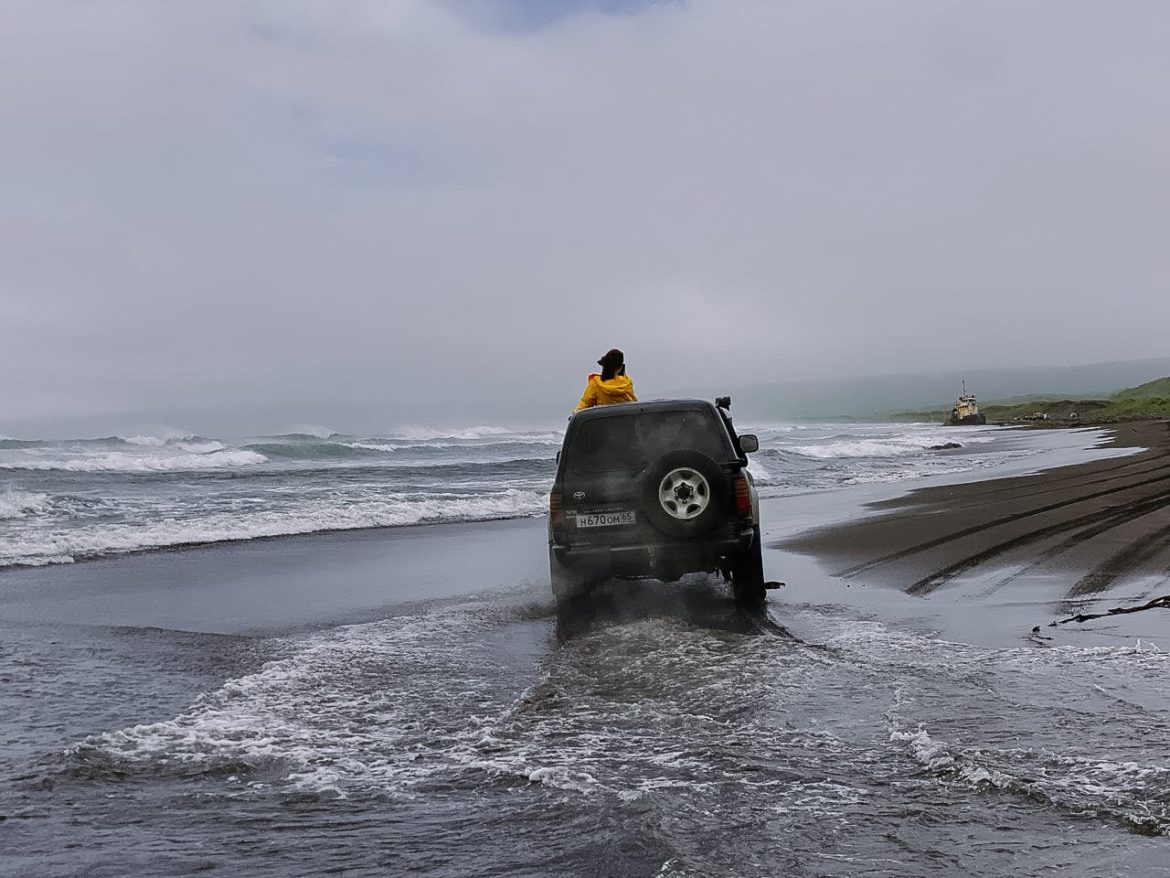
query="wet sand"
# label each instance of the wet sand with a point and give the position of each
(1091, 527)
(280, 585)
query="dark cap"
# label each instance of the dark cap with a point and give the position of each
(612, 359)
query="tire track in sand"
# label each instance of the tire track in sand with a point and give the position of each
(1080, 476)
(1097, 523)
(1164, 475)
(1129, 558)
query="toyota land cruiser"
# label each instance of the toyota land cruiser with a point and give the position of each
(654, 490)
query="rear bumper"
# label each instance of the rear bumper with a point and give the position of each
(666, 560)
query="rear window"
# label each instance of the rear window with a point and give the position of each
(631, 442)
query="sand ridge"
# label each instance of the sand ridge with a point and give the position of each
(1097, 524)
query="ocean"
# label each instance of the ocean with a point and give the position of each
(63, 501)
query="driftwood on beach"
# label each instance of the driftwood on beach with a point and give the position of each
(1157, 603)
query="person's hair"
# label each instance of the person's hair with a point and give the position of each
(613, 363)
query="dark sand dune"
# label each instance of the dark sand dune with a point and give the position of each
(1096, 524)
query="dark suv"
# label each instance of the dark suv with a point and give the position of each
(654, 489)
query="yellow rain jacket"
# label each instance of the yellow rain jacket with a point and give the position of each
(619, 388)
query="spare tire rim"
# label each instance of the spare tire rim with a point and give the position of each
(684, 493)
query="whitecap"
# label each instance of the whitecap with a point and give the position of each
(424, 434)
(198, 446)
(89, 541)
(761, 475)
(317, 431)
(19, 504)
(132, 463)
(374, 446)
(890, 446)
(148, 441)
(469, 434)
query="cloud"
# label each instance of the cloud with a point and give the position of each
(396, 205)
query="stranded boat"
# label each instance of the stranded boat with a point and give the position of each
(966, 411)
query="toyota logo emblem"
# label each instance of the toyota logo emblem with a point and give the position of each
(578, 495)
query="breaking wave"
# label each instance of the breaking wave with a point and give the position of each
(467, 434)
(847, 447)
(187, 442)
(120, 462)
(40, 547)
(305, 434)
(18, 504)
(1130, 791)
(1065, 759)
(309, 450)
(148, 441)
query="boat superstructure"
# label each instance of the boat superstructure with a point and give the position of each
(966, 411)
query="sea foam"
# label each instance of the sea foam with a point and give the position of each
(39, 547)
(19, 504)
(892, 446)
(121, 462)
(468, 434)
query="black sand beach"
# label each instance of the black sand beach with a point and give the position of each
(1094, 525)
(284, 584)
(407, 702)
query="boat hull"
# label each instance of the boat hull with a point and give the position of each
(978, 420)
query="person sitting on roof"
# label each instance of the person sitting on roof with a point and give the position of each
(612, 385)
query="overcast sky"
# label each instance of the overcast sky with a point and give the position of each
(410, 210)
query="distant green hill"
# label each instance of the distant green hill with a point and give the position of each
(1149, 400)
(1156, 389)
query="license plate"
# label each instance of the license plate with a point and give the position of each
(605, 519)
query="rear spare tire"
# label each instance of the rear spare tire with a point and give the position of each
(684, 493)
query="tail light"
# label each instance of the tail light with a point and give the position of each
(556, 517)
(743, 497)
(556, 511)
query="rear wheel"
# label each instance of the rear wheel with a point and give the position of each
(747, 574)
(567, 585)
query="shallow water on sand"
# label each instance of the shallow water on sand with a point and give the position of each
(657, 731)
